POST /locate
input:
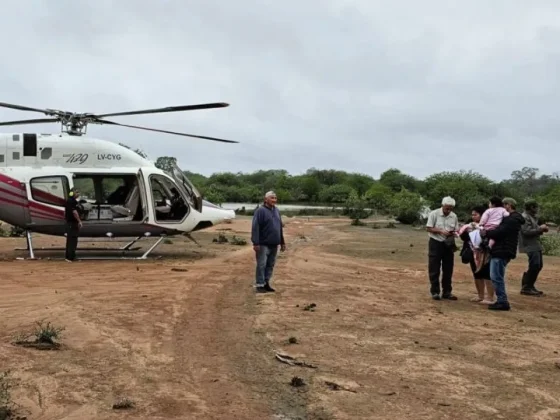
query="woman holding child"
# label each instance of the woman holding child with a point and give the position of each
(477, 258)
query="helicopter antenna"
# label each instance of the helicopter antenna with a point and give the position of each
(75, 124)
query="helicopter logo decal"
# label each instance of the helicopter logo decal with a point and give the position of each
(79, 158)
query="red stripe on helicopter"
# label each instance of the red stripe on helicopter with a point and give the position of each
(36, 216)
(44, 213)
(46, 209)
(11, 202)
(19, 194)
(35, 192)
(12, 182)
(40, 211)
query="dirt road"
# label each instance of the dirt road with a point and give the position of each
(185, 337)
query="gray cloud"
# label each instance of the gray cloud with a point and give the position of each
(354, 85)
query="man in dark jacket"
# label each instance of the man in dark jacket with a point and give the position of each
(530, 244)
(266, 234)
(506, 237)
(73, 224)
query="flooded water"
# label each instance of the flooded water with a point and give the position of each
(250, 206)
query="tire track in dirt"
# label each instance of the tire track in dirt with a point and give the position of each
(227, 356)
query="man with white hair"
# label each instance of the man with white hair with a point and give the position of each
(266, 235)
(441, 226)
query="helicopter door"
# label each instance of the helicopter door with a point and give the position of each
(47, 199)
(193, 195)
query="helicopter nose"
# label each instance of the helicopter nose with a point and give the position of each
(215, 214)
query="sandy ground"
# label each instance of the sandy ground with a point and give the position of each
(185, 337)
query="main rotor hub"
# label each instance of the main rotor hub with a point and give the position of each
(71, 122)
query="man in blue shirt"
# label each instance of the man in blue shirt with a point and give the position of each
(266, 235)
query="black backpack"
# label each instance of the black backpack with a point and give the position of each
(466, 253)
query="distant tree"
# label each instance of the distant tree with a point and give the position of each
(379, 197)
(467, 188)
(406, 206)
(360, 183)
(198, 180)
(165, 163)
(355, 207)
(396, 180)
(395, 192)
(549, 205)
(328, 177)
(214, 196)
(337, 193)
(309, 187)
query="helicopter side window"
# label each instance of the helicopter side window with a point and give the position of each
(169, 204)
(50, 190)
(46, 153)
(86, 186)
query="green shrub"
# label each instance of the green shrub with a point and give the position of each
(551, 244)
(406, 206)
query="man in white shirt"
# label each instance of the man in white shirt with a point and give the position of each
(441, 226)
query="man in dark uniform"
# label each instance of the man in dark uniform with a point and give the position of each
(73, 225)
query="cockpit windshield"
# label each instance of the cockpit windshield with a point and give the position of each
(188, 188)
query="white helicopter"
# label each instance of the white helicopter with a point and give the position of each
(122, 193)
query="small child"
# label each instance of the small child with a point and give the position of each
(492, 217)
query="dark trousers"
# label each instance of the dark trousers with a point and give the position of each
(440, 259)
(533, 270)
(72, 232)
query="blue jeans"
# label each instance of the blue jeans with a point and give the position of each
(497, 274)
(266, 257)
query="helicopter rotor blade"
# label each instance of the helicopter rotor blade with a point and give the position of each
(165, 131)
(22, 108)
(167, 109)
(36, 121)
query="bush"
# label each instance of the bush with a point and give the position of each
(551, 244)
(406, 206)
(238, 241)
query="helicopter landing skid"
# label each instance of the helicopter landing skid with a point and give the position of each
(143, 257)
(123, 249)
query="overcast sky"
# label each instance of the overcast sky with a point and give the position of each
(424, 86)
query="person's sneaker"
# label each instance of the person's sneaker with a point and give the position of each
(530, 292)
(268, 288)
(261, 289)
(538, 291)
(449, 297)
(499, 306)
(435, 296)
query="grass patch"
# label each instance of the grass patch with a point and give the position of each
(124, 404)
(221, 238)
(45, 337)
(7, 406)
(238, 241)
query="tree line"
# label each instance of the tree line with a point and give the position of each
(395, 192)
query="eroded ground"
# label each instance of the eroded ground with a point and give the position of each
(185, 337)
